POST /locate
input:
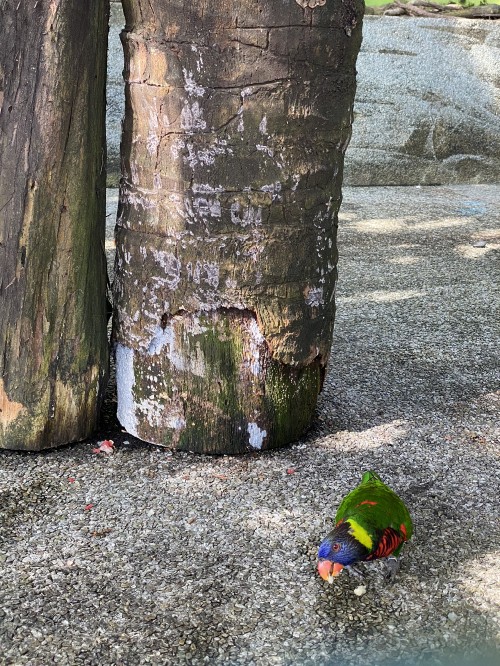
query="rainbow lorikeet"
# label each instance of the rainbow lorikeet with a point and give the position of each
(371, 522)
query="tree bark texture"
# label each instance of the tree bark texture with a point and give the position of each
(238, 115)
(53, 342)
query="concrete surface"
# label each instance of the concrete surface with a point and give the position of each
(148, 557)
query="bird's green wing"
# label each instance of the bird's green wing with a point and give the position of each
(375, 507)
(368, 482)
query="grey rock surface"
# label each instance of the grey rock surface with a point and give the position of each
(427, 107)
(114, 94)
(148, 557)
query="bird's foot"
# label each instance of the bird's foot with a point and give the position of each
(392, 567)
(355, 571)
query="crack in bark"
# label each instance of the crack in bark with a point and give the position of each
(254, 46)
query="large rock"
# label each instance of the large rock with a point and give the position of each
(115, 93)
(427, 108)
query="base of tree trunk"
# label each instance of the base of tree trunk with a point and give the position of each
(210, 380)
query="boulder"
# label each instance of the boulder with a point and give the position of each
(427, 107)
(115, 94)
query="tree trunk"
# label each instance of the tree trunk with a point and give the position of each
(238, 115)
(53, 342)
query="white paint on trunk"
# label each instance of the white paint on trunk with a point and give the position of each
(194, 327)
(265, 149)
(205, 156)
(161, 415)
(204, 188)
(153, 140)
(211, 270)
(152, 143)
(241, 124)
(256, 435)
(192, 117)
(136, 200)
(194, 273)
(263, 125)
(125, 381)
(208, 155)
(161, 338)
(315, 297)
(199, 62)
(207, 207)
(175, 422)
(171, 266)
(231, 283)
(254, 251)
(245, 216)
(191, 87)
(183, 357)
(134, 176)
(176, 147)
(254, 347)
(274, 189)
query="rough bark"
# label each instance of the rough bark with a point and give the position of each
(237, 118)
(53, 343)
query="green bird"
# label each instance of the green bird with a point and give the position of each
(371, 522)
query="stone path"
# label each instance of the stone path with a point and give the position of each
(149, 557)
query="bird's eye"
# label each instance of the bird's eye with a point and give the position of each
(336, 547)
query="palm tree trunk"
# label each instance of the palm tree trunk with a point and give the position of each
(238, 115)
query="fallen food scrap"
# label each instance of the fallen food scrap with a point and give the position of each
(106, 446)
(88, 507)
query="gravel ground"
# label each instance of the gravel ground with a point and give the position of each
(149, 557)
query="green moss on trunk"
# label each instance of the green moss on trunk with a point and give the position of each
(211, 377)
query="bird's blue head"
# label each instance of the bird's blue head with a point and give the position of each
(338, 550)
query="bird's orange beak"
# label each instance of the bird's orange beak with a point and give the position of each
(328, 570)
